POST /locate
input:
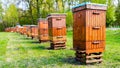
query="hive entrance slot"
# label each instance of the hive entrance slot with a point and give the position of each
(58, 19)
(59, 36)
(96, 27)
(96, 13)
(96, 42)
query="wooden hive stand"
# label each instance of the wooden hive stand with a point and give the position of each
(83, 57)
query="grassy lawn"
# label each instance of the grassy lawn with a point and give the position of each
(18, 51)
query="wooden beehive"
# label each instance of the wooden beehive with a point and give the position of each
(89, 27)
(43, 30)
(17, 28)
(34, 31)
(20, 30)
(25, 27)
(12, 29)
(6, 29)
(57, 30)
(29, 31)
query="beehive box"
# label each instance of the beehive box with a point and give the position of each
(7, 29)
(89, 27)
(21, 30)
(17, 28)
(57, 30)
(34, 31)
(43, 35)
(12, 29)
(29, 31)
(25, 27)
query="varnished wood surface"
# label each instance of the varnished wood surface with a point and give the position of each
(89, 29)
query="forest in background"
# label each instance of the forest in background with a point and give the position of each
(11, 13)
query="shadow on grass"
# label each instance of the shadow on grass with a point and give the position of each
(33, 48)
(47, 61)
(29, 42)
(71, 60)
(25, 38)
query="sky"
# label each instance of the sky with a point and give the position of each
(22, 5)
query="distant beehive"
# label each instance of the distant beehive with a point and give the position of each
(43, 30)
(7, 29)
(29, 31)
(89, 30)
(20, 30)
(34, 31)
(17, 28)
(12, 29)
(57, 30)
(25, 27)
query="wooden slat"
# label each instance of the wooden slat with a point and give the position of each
(93, 61)
(93, 56)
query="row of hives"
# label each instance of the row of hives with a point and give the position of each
(54, 31)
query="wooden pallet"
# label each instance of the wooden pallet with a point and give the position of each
(83, 57)
(57, 46)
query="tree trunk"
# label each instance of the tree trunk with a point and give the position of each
(30, 10)
(63, 5)
(38, 10)
(56, 5)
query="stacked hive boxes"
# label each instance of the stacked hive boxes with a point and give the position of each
(21, 30)
(29, 31)
(25, 29)
(89, 31)
(57, 30)
(34, 31)
(43, 30)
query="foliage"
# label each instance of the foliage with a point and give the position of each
(110, 13)
(1, 10)
(11, 15)
(41, 8)
(118, 14)
(61, 6)
(69, 19)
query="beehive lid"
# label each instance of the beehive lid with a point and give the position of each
(57, 14)
(18, 25)
(41, 19)
(33, 25)
(26, 25)
(89, 5)
(21, 27)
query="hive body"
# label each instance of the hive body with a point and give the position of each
(25, 29)
(57, 30)
(34, 31)
(43, 35)
(89, 28)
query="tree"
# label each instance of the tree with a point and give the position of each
(110, 13)
(117, 13)
(11, 15)
(1, 17)
(1, 10)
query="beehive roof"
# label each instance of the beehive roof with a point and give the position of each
(86, 3)
(57, 14)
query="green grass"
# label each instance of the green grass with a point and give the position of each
(18, 51)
